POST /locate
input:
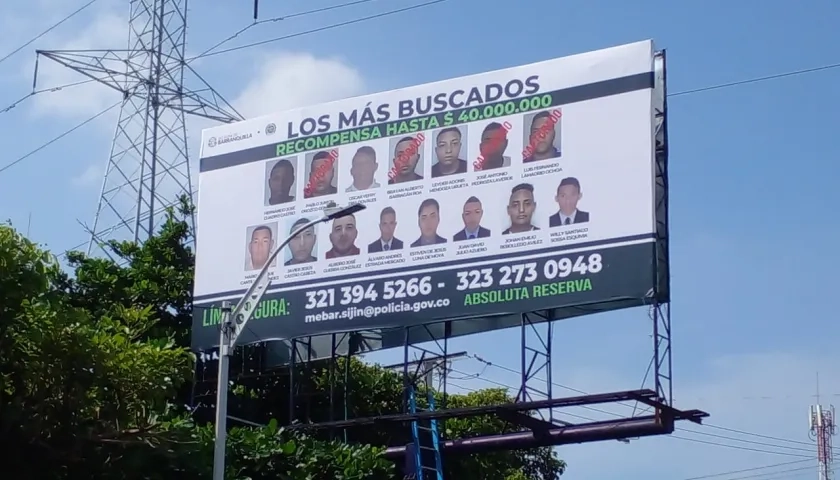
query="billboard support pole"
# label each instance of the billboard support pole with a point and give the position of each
(222, 394)
(296, 387)
(535, 358)
(661, 314)
(427, 362)
(660, 310)
(333, 343)
(233, 323)
(352, 348)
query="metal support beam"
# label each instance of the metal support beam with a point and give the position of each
(536, 333)
(582, 433)
(660, 311)
(420, 364)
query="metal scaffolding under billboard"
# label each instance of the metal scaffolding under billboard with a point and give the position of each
(533, 188)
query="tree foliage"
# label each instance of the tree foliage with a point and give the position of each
(95, 376)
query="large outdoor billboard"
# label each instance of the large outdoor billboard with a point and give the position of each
(524, 189)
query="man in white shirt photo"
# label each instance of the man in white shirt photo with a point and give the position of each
(259, 247)
(363, 169)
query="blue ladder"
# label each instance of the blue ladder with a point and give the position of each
(427, 463)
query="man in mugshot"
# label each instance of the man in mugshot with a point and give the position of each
(343, 237)
(567, 198)
(493, 144)
(447, 150)
(387, 226)
(280, 181)
(301, 246)
(363, 169)
(521, 208)
(542, 137)
(472, 222)
(428, 219)
(406, 157)
(260, 247)
(321, 174)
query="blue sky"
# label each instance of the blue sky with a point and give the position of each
(754, 216)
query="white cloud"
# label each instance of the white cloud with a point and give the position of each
(92, 175)
(291, 80)
(284, 81)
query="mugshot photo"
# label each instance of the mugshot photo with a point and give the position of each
(568, 196)
(406, 163)
(387, 240)
(493, 143)
(521, 209)
(303, 248)
(472, 214)
(259, 243)
(541, 136)
(320, 174)
(364, 168)
(449, 151)
(343, 235)
(280, 181)
(428, 222)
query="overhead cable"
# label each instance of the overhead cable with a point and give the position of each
(59, 137)
(278, 19)
(750, 442)
(745, 470)
(48, 30)
(749, 81)
(320, 29)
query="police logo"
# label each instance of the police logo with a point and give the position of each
(270, 129)
(212, 142)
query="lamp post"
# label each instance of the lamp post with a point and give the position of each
(233, 322)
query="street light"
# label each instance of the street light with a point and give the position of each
(234, 322)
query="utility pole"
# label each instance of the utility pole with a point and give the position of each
(822, 428)
(148, 168)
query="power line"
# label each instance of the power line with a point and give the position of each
(769, 437)
(758, 475)
(706, 442)
(44, 90)
(741, 432)
(209, 52)
(776, 76)
(55, 139)
(48, 30)
(752, 442)
(278, 19)
(738, 447)
(745, 470)
(321, 29)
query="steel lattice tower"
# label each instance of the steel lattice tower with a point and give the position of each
(148, 167)
(822, 429)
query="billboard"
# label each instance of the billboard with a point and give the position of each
(524, 189)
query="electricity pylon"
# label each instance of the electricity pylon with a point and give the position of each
(148, 168)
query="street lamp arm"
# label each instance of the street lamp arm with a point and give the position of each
(234, 322)
(244, 309)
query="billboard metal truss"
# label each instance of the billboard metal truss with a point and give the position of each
(429, 366)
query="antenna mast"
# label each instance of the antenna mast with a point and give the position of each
(822, 426)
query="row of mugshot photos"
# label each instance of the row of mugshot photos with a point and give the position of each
(324, 176)
(343, 232)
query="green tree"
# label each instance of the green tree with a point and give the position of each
(94, 372)
(87, 386)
